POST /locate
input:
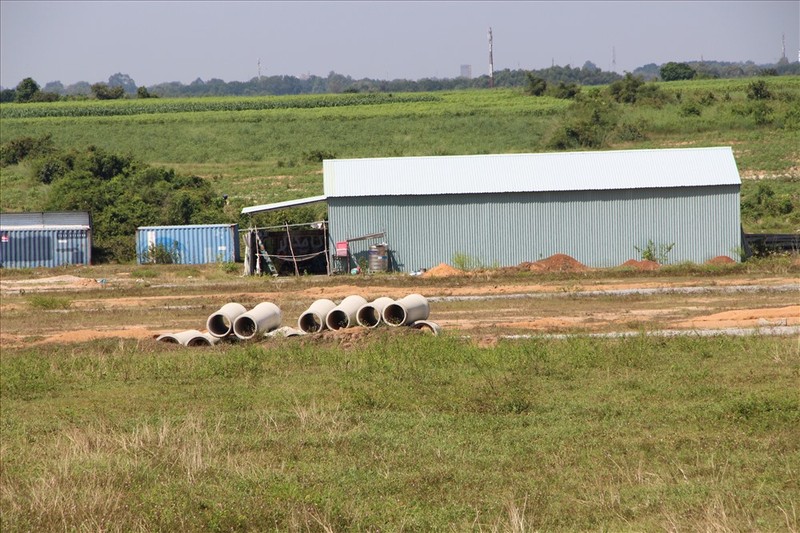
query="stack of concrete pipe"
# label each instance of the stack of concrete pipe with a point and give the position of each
(231, 321)
(234, 321)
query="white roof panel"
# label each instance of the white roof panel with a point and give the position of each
(562, 171)
(282, 205)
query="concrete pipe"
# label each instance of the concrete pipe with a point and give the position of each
(344, 314)
(406, 310)
(369, 315)
(427, 326)
(190, 337)
(313, 319)
(220, 324)
(261, 319)
(205, 339)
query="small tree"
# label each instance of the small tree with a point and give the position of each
(26, 90)
(676, 71)
(626, 90)
(536, 86)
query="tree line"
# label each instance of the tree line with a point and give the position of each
(123, 86)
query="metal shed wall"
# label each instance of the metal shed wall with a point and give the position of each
(598, 228)
(45, 220)
(196, 244)
(22, 247)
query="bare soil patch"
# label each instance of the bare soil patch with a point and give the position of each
(570, 305)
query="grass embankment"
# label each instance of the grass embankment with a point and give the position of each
(407, 431)
(268, 149)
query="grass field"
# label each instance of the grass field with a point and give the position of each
(404, 433)
(266, 149)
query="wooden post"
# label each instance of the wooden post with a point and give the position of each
(291, 249)
(327, 255)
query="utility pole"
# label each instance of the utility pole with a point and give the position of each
(259, 69)
(491, 61)
(613, 59)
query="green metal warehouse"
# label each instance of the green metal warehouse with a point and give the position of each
(501, 210)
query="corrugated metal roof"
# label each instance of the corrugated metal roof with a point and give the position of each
(44, 220)
(562, 171)
(281, 205)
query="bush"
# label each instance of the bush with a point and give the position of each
(630, 132)
(566, 91)
(17, 150)
(317, 156)
(757, 90)
(48, 169)
(690, 109)
(590, 124)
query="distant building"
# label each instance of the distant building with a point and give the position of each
(466, 71)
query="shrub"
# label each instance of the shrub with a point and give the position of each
(630, 132)
(317, 156)
(653, 252)
(48, 169)
(17, 150)
(690, 109)
(757, 90)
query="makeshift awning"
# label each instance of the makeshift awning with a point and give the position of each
(282, 205)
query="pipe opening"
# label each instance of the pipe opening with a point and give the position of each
(368, 316)
(245, 327)
(310, 323)
(219, 325)
(169, 339)
(199, 341)
(337, 319)
(394, 314)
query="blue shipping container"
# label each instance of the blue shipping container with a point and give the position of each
(189, 245)
(33, 248)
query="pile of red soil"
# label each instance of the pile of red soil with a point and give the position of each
(442, 270)
(644, 264)
(555, 263)
(720, 260)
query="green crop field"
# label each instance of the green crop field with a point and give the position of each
(265, 149)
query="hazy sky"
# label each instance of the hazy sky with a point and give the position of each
(163, 41)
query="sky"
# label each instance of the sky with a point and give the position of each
(164, 41)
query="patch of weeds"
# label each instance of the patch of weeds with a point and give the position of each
(229, 267)
(654, 252)
(48, 302)
(144, 273)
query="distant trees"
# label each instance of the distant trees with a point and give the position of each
(102, 91)
(677, 71)
(124, 81)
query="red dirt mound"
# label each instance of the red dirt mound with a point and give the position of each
(557, 263)
(644, 264)
(720, 260)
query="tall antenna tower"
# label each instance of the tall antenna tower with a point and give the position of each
(783, 47)
(259, 69)
(613, 59)
(491, 60)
